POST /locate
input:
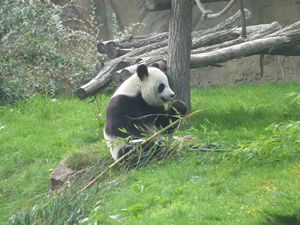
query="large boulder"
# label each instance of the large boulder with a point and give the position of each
(60, 176)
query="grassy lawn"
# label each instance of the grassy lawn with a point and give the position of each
(256, 183)
(35, 136)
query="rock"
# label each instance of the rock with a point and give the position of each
(60, 176)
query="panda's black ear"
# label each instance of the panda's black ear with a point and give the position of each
(155, 65)
(142, 71)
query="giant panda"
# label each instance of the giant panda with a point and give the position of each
(138, 106)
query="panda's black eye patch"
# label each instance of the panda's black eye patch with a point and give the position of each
(161, 87)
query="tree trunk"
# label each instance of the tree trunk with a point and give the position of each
(180, 29)
(100, 15)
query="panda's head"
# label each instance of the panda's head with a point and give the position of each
(154, 86)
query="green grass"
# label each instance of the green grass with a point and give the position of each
(240, 113)
(203, 188)
(35, 136)
(193, 192)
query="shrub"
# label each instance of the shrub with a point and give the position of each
(39, 54)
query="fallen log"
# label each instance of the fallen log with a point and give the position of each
(254, 32)
(92, 87)
(215, 38)
(116, 52)
(133, 42)
(286, 51)
(236, 51)
(121, 75)
(113, 48)
(154, 55)
(213, 41)
(157, 54)
(264, 30)
(101, 47)
(271, 44)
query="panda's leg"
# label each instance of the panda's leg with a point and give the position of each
(131, 159)
(140, 154)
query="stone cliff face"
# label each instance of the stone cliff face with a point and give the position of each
(115, 15)
(112, 15)
(133, 11)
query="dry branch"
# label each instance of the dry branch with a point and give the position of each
(231, 22)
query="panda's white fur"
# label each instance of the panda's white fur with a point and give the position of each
(144, 93)
(147, 87)
(114, 144)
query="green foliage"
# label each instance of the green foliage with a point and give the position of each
(39, 54)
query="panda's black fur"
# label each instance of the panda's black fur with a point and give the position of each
(129, 115)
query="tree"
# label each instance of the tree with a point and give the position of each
(179, 50)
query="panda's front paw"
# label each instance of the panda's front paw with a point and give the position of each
(179, 107)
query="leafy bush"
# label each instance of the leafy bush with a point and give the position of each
(39, 54)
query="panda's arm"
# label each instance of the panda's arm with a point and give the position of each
(121, 119)
(177, 109)
(116, 123)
